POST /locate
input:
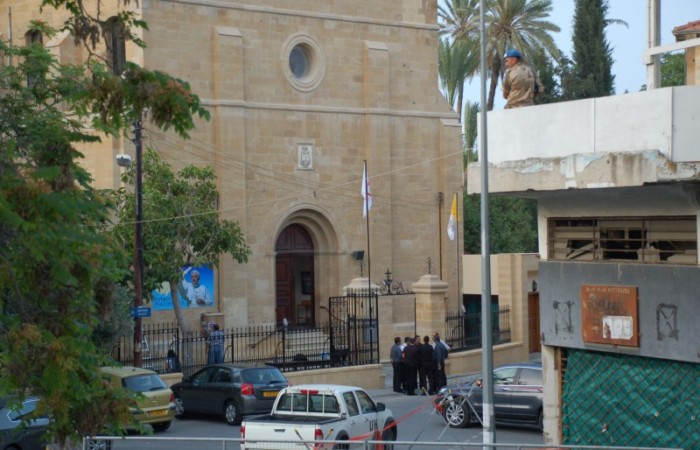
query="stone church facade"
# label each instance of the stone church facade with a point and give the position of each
(301, 93)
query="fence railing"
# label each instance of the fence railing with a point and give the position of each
(463, 331)
(166, 349)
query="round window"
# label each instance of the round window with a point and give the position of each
(299, 61)
(304, 64)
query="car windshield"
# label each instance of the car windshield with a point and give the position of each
(144, 383)
(25, 410)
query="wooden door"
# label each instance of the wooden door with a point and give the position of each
(284, 288)
(533, 313)
(293, 245)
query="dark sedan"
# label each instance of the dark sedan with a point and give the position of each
(517, 397)
(12, 435)
(228, 390)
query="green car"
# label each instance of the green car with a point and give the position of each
(156, 404)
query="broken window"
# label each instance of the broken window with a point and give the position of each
(640, 239)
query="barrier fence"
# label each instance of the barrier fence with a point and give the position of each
(162, 443)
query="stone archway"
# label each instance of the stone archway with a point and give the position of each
(295, 297)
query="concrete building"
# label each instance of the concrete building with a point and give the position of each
(617, 181)
(301, 93)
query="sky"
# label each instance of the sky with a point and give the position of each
(627, 43)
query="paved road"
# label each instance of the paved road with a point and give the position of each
(418, 422)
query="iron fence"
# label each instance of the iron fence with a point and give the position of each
(464, 330)
(351, 341)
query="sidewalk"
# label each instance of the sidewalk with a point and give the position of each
(388, 388)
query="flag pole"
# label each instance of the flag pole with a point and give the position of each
(370, 297)
(459, 256)
(369, 259)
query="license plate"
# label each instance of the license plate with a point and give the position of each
(269, 394)
(158, 413)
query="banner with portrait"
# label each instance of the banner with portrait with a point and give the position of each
(194, 290)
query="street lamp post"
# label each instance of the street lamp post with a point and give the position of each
(125, 161)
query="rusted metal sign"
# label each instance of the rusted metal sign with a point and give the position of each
(609, 315)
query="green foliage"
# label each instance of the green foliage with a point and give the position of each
(672, 69)
(589, 74)
(58, 267)
(457, 62)
(86, 28)
(53, 258)
(520, 24)
(471, 111)
(181, 222)
(117, 102)
(512, 224)
(115, 318)
(544, 66)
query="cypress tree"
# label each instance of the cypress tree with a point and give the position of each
(591, 73)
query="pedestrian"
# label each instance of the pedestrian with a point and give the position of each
(520, 83)
(404, 368)
(172, 362)
(440, 354)
(396, 355)
(425, 355)
(410, 357)
(216, 345)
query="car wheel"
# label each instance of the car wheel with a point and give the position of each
(540, 420)
(341, 446)
(232, 413)
(99, 444)
(456, 414)
(160, 426)
(180, 408)
(389, 435)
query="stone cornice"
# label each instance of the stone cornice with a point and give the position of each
(327, 109)
(307, 14)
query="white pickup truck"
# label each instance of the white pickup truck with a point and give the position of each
(317, 412)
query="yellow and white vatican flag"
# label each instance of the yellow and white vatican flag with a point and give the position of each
(452, 223)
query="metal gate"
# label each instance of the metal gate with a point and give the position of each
(354, 329)
(613, 399)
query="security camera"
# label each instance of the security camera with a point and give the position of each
(124, 160)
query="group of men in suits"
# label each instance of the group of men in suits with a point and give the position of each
(419, 364)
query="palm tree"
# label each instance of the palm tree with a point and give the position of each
(457, 62)
(520, 24)
(459, 20)
(458, 57)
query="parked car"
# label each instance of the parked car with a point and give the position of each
(156, 403)
(228, 390)
(11, 415)
(517, 397)
(318, 412)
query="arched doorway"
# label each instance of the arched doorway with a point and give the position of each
(294, 276)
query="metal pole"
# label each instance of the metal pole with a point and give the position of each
(440, 199)
(654, 40)
(489, 436)
(138, 247)
(365, 179)
(9, 37)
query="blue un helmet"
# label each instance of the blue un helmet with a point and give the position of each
(513, 53)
